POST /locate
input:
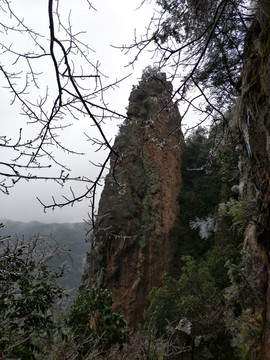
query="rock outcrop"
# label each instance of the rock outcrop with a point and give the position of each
(131, 247)
(253, 114)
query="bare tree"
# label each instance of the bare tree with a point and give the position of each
(53, 79)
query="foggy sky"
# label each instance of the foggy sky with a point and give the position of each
(113, 23)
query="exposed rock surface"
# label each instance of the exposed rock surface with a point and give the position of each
(253, 115)
(131, 247)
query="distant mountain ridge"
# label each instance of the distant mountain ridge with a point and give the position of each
(71, 237)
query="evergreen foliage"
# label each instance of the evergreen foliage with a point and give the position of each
(34, 324)
(213, 296)
(28, 294)
(200, 194)
(197, 295)
(94, 324)
(210, 37)
(69, 237)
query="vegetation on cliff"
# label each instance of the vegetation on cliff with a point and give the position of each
(35, 321)
(195, 312)
(138, 205)
(205, 228)
(208, 241)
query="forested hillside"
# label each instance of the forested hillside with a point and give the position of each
(69, 238)
(212, 301)
(178, 262)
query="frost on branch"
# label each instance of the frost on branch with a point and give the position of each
(205, 226)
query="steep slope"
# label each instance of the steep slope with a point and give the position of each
(131, 247)
(253, 117)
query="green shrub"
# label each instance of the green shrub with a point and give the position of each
(94, 324)
(28, 295)
(198, 296)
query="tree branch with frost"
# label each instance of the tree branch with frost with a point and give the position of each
(205, 226)
(200, 44)
(75, 93)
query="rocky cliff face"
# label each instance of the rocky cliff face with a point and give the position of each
(253, 114)
(131, 247)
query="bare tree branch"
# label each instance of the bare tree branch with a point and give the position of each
(200, 44)
(76, 92)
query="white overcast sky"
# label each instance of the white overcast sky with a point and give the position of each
(113, 23)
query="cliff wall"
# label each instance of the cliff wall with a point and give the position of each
(253, 115)
(131, 247)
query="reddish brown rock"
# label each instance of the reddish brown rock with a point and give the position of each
(131, 247)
